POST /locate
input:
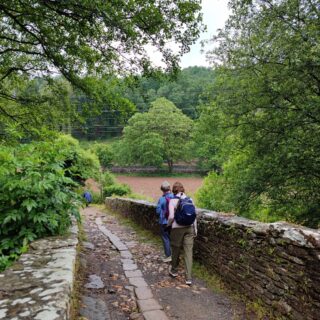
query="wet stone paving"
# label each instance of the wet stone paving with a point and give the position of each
(122, 276)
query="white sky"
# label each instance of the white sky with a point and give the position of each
(215, 13)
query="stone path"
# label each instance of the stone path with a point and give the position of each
(122, 277)
(148, 306)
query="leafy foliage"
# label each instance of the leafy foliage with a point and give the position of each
(117, 190)
(161, 134)
(37, 198)
(266, 110)
(79, 164)
(88, 43)
(108, 179)
(35, 102)
(187, 90)
(104, 153)
(95, 37)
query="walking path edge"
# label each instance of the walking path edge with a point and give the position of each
(148, 306)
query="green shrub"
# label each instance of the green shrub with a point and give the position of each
(214, 194)
(116, 189)
(5, 262)
(104, 153)
(79, 164)
(108, 179)
(96, 198)
(37, 198)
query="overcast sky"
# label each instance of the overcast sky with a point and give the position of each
(215, 13)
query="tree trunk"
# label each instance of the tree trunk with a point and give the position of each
(170, 165)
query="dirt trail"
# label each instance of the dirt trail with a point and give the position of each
(115, 300)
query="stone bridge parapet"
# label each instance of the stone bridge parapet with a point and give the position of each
(39, 285)
(277, 264)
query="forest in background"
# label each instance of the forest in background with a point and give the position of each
(253, 121)
(187, 90)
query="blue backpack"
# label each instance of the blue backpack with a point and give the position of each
(185, 213)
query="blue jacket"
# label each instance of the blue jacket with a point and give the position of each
(87, 196)
(161, 207)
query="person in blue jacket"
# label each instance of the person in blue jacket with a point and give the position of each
(163, 212)
(88, 197)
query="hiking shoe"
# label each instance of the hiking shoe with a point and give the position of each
(167, 259)
(173, 274)
(189, 282)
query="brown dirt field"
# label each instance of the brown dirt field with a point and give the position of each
(150, 186)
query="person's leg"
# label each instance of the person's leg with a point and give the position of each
(165, 240)
(188, 251)
(176, 238)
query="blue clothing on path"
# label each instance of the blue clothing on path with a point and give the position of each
(165, 236)
(162, 207)
(87, 195)
(161, 211)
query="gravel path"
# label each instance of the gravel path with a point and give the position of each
(107, 292)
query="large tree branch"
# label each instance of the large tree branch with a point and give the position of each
(31, 52)
(19, 41)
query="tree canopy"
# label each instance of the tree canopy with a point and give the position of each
(161, 134)
(267, 108)
(92, 37)
(187, 90)
(85, 39)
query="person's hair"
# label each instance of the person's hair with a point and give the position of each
(164, 189)
(165, 186)
(177, 187)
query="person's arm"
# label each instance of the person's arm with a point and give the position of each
(159, 206)
(172, 206)
(195, 224)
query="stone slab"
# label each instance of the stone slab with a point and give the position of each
(143, 293)
(148, 305)
(127, 261)
(133, 274)
(126, 254)
(88, 245)
(155, 315)
(112, 237)
(138, 282)
(130, 267)
(95, 282)
(121, 247)
(93, 308)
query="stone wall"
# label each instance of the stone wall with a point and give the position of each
(38, 286)
(275, 263)
(148, 169)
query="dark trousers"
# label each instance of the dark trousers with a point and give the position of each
(165, 236)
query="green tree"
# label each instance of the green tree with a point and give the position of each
(268, 95)
(187, 90)
(103, 112)
(104, 153)
(89, 38)
(161, 134)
